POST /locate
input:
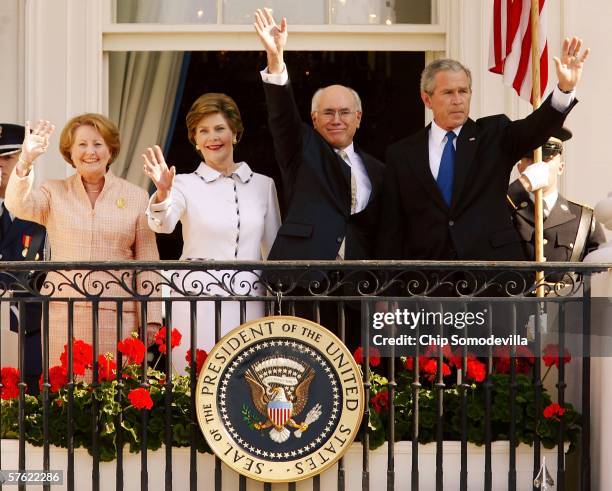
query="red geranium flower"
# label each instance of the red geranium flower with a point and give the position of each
(550, 355)
(57, 378)
(553, 410)
(160, 339)
(409, 363)
(433, 350)
(430, 369)
(200, 359)
(82, 356)
(476, 370)
(140, 398)
(380, 401)
(374, 356)
(133, 348)
(10, 379)
(107, 368)
(523, 362)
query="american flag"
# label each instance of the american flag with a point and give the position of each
(510, 49)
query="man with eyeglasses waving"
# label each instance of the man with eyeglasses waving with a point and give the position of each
(330, 185)
(570, 231)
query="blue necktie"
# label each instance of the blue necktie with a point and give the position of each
(447, 169)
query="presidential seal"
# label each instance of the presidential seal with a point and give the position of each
(280, 399)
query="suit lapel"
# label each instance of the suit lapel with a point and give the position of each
(526, 212)
(420, 155)
(467, 144)
(560, 214)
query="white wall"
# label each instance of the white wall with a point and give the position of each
(588, 177)
(63, 69)
(589, 173)
(11, 54)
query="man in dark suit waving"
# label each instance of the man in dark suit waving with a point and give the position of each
(331, 186)
(20, 241)
(445, 186)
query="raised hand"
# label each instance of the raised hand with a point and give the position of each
(273, 38)
(569, 66)
(156, 168)
(36, 141)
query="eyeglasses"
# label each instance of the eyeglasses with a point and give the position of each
(331, 113)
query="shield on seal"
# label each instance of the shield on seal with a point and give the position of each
(280, 412)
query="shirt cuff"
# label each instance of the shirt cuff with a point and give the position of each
(537, 174)
(560, 100)
(275, 78)
(158, 211)
(161, 206)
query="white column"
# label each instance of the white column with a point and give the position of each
(11, 61)
(63, 68)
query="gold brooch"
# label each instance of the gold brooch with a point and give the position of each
(121, 203)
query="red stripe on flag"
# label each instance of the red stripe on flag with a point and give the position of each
(515, 12)
(511, 50)
(544, 69)
(524, 60)
(497, 36)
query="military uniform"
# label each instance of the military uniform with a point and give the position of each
(21, 240)
(570, 231)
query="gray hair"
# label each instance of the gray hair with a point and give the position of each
(442, 65)
(317, 95)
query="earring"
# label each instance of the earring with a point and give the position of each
(197, 147)
(234, 141)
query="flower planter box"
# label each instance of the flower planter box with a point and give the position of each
(378, 468)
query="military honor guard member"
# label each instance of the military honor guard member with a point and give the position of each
(570, 230)
(20, 240)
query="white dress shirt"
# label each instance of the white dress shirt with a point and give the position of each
(362, 180)
(548, 201)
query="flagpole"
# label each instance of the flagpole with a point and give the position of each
(537, 153)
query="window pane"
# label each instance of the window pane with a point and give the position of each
(167, 11)
(381, 11)
(296, 11)
(308, 12)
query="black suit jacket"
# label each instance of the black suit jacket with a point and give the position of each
(416, 221)
(317, 189)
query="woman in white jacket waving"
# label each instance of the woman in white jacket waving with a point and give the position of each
(227, 211)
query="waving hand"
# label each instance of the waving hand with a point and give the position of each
(156, 168)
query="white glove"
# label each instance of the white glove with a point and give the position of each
(537, 174)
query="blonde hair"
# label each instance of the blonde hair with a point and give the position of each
(103, 125)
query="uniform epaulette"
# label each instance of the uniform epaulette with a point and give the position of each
(583, 205)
